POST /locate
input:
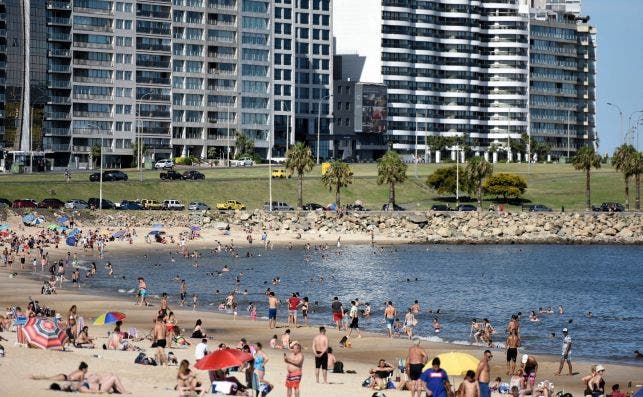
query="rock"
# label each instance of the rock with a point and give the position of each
(444, 232)
(222, 225)
(244, 216)
(417, 218)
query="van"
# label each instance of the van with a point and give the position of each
(277, 206)
(173, 205)
(151, 204)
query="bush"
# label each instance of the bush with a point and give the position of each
(186, 160)
(505, 185)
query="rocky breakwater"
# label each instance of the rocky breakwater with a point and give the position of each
(452, 227)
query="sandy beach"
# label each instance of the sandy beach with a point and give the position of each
(20, 362)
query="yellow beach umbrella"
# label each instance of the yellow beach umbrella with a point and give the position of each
(455, 363)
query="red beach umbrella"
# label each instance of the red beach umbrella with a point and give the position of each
(44, 332)
(222, 359)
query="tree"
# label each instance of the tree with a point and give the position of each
(337, 176)
(443, 180)
(505, 185)
(243, 144)
(95, 153)
(625, 161)
(144, 152)
(391, 170)
(638, 170)
(477, 170)
(299, 158)
(585, 159)
(212, 152)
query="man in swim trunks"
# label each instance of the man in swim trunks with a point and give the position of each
(415, 361)
(513, 343)
(389, 317)
(529, 368)
(482, 374)
(336, 308)
(294, 363)
(273, 302)
(320, 350)
(159, 340)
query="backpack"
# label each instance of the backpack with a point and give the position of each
(140, 359)
(338, 368)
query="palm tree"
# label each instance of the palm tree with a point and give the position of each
(95, 153)
(243, 144)
(585, 159)
(478, 169)
(624, 160)
(337, 176)
(638, 160)
(391, 170)
(299, 158)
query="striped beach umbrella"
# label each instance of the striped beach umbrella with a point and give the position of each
(44, 332)
(108, 318)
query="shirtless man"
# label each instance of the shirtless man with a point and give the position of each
(415, 361)
(475, 330)
(529, 368)
(482, 374)
(320, 350)
(513, 343)
(469, 386)
(294, 363)
(415, 307)
(159, 341)
(389, 317)
(513, 324)
(273, 303)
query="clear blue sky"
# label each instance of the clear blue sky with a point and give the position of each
(619, 67)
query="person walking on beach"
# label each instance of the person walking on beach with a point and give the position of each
(141, 292)
(415, 361)
(567, 353)
(320, 350)
(389, 317)
(337, 309)
(354, 316)
(294, 363)
(293, 304)
(183, 292)
(483, 374)
(512, 344)
(273, 303)
(435, 378)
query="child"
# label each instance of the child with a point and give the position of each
(195, 301)
(252, 309)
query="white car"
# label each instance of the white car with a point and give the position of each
(173, 205)
(162, 164)
(76, 204)
(242, 162)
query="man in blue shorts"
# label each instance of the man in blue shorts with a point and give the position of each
(273, 302)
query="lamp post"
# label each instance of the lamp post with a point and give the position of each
(457, 175)
(139, 137)
(508, 134)
(319, 123)
(568, 145)
(620, 113)
(630, 126)
(100, 184)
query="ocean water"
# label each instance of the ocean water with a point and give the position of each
(463, 281)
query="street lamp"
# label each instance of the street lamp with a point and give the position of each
(620, 113)
(319, 123)
(629, 122)
(568, 145)
(100, 184)
(139, 137)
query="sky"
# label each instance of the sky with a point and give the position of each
(619, 67)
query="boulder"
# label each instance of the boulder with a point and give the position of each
(222, 225)
(444, 232)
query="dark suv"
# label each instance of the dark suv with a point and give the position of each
(51, 203)
(610, 207)
(108, 176)
(107, 205)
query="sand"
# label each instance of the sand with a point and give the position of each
(20, 362)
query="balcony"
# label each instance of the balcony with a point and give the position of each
(93, 96)
(94, 10)
(59, 100)
(59, 5)
(58, 84)
(58, 68)
(57, 132)
(84, 44)
(153, 80)
(91, 62)
(95, 80)
(57, 36)
(56, 147)
(80, 149)
(94, 28)
(58, 21)
(59, 52)
(91, 131)
(92, 115)
(57, 116)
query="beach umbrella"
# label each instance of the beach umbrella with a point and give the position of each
(195, 228)
(52, 226)
(4, 227)
(62, 219)
(28, 219)
(118, 234)
(71, 241)
(154, 232)
(44, 332)
(222, 359)
(157, 226)
(109, 318)
(455, 363)
(639, 393)
(73, 232)
(38, 221)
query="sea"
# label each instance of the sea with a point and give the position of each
(463, 282)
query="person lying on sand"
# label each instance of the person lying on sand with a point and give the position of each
(75, 376)
(94, 384)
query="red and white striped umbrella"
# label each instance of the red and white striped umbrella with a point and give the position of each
(44, 332)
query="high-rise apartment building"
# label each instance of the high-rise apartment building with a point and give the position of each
(562, 82)
(453, 69)
(3, 66)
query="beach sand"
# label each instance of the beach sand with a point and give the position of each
(20, 362)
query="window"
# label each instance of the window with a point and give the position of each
(124, 58)
(123, 109)
(123, 75)
(123, 126)
(255, 6)
(257, 39)
(125, 24)
(255, 23)
(303, 33)
(123, 41)
(254, 70)
(347, 106)
(254, 86)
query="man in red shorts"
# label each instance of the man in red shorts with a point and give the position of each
(294, 362)
(337, 309)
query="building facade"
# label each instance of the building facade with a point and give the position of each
(562, 82)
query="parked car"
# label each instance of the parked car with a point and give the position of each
(126, 205)
(24, 203)
(76, 204)
(164, 164)
(610, 207)
(198, 206)
(466, 207)
(231, 205)
(105, 204)
(242, 162)
(536, 208)
(151, 204)
(51, 203)
(396, 207)
(440, 207)
(5, 203)
(193, 175)
(173, 205)
(109, 176)
(170, 175)
(280, 173)
(277, 206)
(312, 207)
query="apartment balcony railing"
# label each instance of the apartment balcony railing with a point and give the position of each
(94, 28)
(93, 96)
(57, 36)
(85, 79)
(58, 84)
(84, 44)
(57, 132)
(59, 52)
(59, 68)
(79, 113)
(91, 131)
(152, 80)
(81, 149)
(94, 10)
(91, 62)
(60, 100)
(56, 147)
(58, 116)
(58, 21)
(59, 5)
(222, 72)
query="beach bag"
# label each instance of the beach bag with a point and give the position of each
(367, 382)
(140, 359)
(390, 385)
(338, 368)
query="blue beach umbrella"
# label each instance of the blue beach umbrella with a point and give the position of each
(71, 241)
(62, 219)
(73, 232)
(28, 219)
(154, 233)
(118, 233)
(157, 226)
(195, 228)
(4, 227)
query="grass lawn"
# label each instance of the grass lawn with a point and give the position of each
(555, 185)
